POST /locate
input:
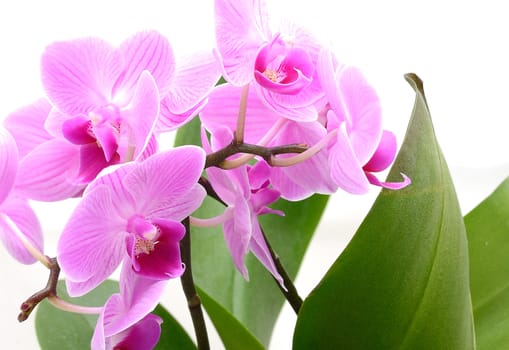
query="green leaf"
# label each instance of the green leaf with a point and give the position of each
(488, 241)
(233, 334)
(57, 329)
(256, 303)
(402, 282)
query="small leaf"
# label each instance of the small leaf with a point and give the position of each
(488, 241)
(402, 282)
(233, 334)
(256, 303)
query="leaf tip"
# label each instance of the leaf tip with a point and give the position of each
(416, 82)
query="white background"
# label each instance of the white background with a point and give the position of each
(459, 49)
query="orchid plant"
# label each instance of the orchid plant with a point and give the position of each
(268, 125)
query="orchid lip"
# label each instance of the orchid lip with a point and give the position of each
(282, 69)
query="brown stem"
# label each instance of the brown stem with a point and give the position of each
(291, 294)
(50, 290)
(218, 157)
(193, 300)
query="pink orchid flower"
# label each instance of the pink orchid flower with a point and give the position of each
(361, 146)
(136, 209)
(105, 106)
(282, 65)
(17, 219)
(295, 182)
(247, 194)
(125, 321)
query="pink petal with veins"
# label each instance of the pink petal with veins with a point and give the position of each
(141, 117)
(48, 172)
(161, 196)
(346, 170)
(8, 163)
(79, 75)
(26, 125)
(195, 77)
(16, 212)
(91, 245)
(144, 51)
(241, 28)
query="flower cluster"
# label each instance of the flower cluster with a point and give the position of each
(289, 121)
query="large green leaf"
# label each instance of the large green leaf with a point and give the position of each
(57, 329)
(488, 241)
(256, 303)
(233, 334)
(403, 281)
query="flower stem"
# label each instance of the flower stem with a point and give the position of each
(291, 294)
(49, 291)
(241, 120)
(193, 300)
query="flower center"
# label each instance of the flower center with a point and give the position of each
(145, 246)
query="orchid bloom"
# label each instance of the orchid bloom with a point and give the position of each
(105, 104)
(136, 209)
(281, 65)
(295, 182)
(247, 194)
(125, 321)
(361, 146)
(18, 221)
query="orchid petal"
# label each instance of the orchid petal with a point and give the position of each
(16, 214)
(55, 120)
(142, 114)
(241, 28)
(143, 335)
(8, 163)
(326, 72)
(237, 234)
(222, 184)
(389, 185)
(346, 170)
(148, 51)
(384, 154)
(223, 109)
(138, 297)
(288, 189)
(48, 172)
(113, 178)
(79, 75)
(92, 161)
(76, 130)
(195, 77)
(26, 125)
(259, 174)
(169, 121)
(299, 108)
(92, 243)
(363, 107)
(163, 261)
(261, 251)
(182, 167)
(313, 174)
